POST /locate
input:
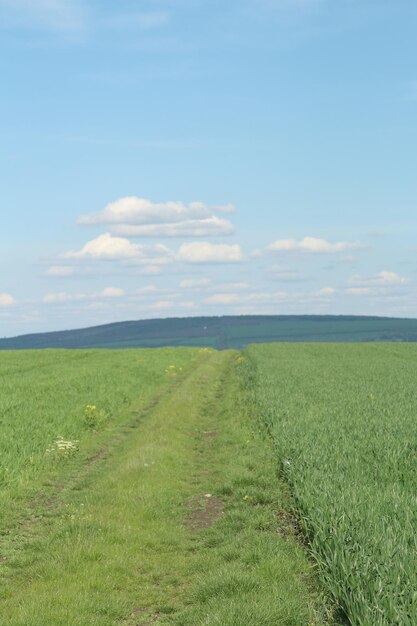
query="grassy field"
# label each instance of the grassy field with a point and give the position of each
(43, 399)
(190, 487)
(342, 419)
(167, 510)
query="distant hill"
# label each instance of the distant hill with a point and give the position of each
(222, 332)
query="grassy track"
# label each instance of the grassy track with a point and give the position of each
(343, 422)
(249, 568)
(181, 521)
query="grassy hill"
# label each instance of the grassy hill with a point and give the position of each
(222, 332)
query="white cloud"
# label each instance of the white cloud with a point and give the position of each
(205, 252)
(383, 279)
(162, 304)
(222, 298)
(313, 245)
(53, 298)
(232, 286)
(60, 270)
(381, 284)
(6, 300)
(108, 292)
(132, 216)
(107, 247)
(135, 210)
(361, 291)
(111, 292)
(207, 227)
(195, 282)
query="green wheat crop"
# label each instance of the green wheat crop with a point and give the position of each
(343, 419)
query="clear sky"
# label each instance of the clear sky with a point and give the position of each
(183, 157)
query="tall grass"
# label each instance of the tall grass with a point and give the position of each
(343, 419)
(44, 394)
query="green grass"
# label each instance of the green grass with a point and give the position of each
(342, 419)
(44, 395)
(249, 568)
(115, 542)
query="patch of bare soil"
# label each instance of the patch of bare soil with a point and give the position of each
(203, 511)
(290, 527)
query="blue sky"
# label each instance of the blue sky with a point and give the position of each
(183, 157)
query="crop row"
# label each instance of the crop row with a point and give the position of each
(343, 420)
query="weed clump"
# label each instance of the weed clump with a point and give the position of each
(63, 448)
(173, 370)
(94, 417)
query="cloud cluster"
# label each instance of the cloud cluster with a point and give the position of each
(312, 245)
(383, 279)
(202, 287)
(106, 247)
(109, 248)
(133, 216)
(378, 284)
